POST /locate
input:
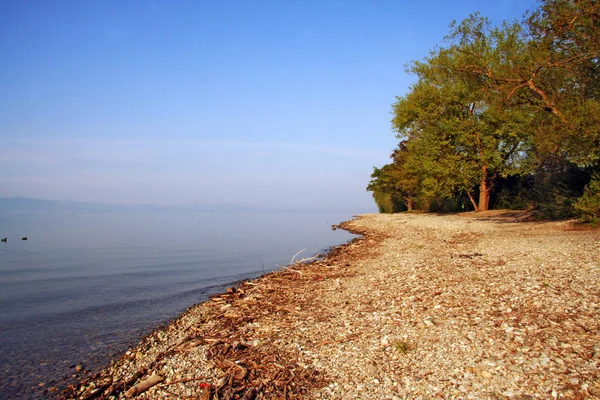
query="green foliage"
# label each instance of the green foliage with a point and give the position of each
(505, 115)
(514, 193)
(383, 201)
(587, 207)
(545, 69)
(398, 180)
(449, 205)
(388, 203)
(557, 185)
(402, 346)
(463, 133)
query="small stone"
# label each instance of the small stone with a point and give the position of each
(574, 381)
(486, 374)
(78, 368)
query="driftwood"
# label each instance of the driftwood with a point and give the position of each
(114, 388)
(144, 385)
(184, 380)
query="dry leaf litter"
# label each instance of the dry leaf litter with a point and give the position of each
(470, 306)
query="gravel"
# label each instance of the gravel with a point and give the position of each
(476, 305)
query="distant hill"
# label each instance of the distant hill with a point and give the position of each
(29, 205)
(25, 204)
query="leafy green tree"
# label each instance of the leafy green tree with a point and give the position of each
(587, 206)
(384, 202)
(516, 105)
(463, 134)
(399, 180)
(408, 179)
(548, 68)
(383, 187)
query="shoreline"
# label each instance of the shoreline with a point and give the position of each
(100, 384)
(474, 305)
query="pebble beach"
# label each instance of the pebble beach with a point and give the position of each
(468, 306)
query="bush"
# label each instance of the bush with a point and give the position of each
(445, 205)
(513, 193)
(556, 186)
(387, 203)
(587, 207)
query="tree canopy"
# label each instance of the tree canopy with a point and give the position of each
(499, 105)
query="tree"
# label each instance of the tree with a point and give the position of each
(464, 136)
(399, 179)
(408, 180)
(588, 205)
(513, 103)
(547, 67)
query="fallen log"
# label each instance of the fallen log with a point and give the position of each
(144, 385)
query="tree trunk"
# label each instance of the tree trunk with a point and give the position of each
(427, 205)
(410, 202)
(473, 201)
(484, 191)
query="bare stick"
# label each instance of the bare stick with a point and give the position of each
(144, 385)
(292, 261)
(184, 381)
(306, 259)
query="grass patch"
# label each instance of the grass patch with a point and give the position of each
(402, 346)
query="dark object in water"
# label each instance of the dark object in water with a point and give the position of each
(24, 238)
(4, 240)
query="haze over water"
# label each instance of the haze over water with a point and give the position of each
(85, 286)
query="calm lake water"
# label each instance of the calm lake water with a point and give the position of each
(85, 286)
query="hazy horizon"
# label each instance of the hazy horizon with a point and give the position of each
(30, 203)
(257, 103)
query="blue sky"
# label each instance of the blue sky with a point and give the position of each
(258, 102)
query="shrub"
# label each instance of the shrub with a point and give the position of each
(388, 203)
(556, 186)
(513, 193)
(587, 207)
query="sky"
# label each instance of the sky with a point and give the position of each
(278, 103)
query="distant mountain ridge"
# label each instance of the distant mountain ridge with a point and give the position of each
(26, 204)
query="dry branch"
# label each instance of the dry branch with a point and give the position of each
(144, 385)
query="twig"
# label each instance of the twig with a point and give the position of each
(144, 385)
(184, 380)
(292, 261)
(307, 259)
(177, 396)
